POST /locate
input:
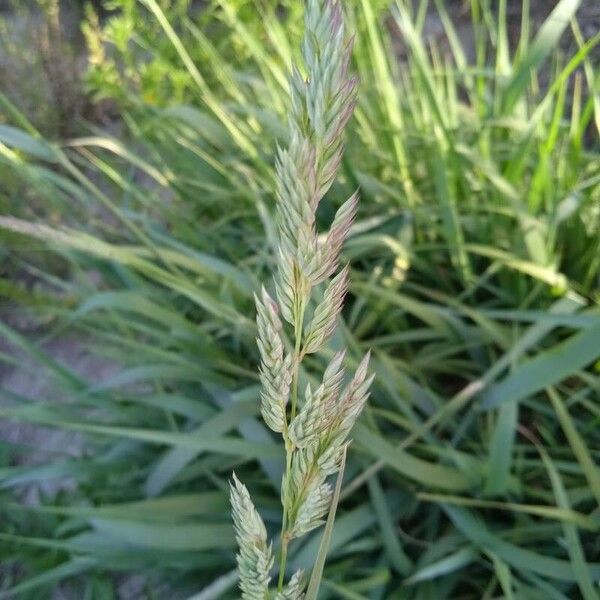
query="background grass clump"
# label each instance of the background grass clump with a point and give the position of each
(475, 281)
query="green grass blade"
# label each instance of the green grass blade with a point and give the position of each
(546, 369)
(316, 575)
(576, 554)
(397, 556)
(546, 39)
(429, 474)
(449, 564)
(577, 443)
(501, 449)
(519, 558)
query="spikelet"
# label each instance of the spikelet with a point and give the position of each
(344, 217)
(296, 180)
(292, 285)
(328, 461)
(313, 510)
(353, 399)
(320, 458)
(255, 557)
(275, 373)
(314, 418)
(324, 320)
(294, 590)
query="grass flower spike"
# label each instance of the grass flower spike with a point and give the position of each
(315, 433)
(255, 557)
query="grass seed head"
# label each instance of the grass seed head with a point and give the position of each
(255, 556)
(322, 101)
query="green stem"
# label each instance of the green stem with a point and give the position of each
(298, 328)
(284, 538)
(294, 391)
(289, 448)
(284, 548)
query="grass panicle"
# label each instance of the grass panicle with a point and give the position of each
(315, 434)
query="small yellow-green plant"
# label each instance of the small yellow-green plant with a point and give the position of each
(315, 433)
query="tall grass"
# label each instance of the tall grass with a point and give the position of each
(474, 472)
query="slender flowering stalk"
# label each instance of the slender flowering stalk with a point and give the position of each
(316, 432)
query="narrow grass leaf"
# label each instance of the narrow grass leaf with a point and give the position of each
(518, 557)
(574, 548)
(396, 554)
(189, 536)
(449, 564)
(546, 369)
(429, 474)
(546, 39)
(577, 443)
(319, 564)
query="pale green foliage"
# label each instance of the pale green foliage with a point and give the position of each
(315, 437)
